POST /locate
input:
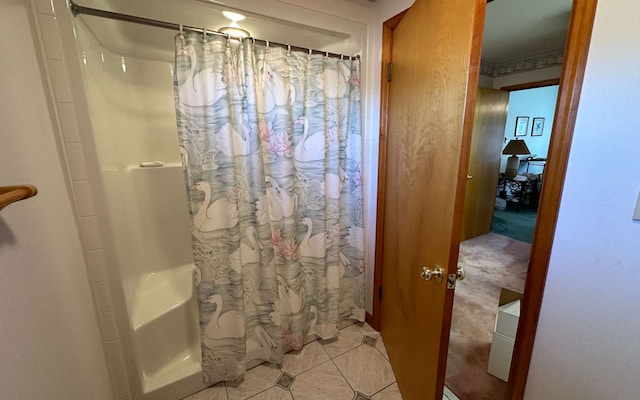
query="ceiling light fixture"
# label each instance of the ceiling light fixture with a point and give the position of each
(234, 31)
(234, 17)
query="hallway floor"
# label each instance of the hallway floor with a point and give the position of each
(354, 366)
(491, 262)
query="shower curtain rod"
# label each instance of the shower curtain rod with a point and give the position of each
(78, 9)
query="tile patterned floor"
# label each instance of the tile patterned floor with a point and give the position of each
(354, 366)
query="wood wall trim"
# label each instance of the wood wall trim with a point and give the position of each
(531, 85)
(578, 39)
(368, 318)
(387, 50)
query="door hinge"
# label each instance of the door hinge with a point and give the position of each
(380, 291)
(389, 68)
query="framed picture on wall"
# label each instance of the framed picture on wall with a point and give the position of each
(522, 126)
(537, 127)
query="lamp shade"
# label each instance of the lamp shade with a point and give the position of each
(516, 147)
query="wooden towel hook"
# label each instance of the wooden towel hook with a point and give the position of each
(10, 194)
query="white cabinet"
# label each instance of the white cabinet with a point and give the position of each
(504, 335)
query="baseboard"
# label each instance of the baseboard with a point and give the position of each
(369, 319)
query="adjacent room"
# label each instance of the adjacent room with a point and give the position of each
(512, 130)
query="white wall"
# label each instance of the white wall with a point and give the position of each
(587, 343)
(49, 338)
(532, 103)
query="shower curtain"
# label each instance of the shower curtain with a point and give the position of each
(271, 146)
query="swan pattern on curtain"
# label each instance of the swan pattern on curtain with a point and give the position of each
(271, 146)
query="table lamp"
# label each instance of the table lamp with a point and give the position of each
(515, 147)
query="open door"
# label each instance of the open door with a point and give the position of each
(435, 55)
(484, 161)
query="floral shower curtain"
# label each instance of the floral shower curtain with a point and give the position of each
(271, 146)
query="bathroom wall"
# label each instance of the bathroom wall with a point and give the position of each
(584, 349)
(49, 336)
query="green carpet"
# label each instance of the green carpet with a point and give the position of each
(516, 225)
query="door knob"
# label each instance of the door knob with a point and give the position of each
(460, 274)
(469, 177)
(428, 274)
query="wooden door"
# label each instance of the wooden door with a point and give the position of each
(484, 161)
(435, 55)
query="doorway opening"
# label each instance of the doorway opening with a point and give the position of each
(511, 136)
(399, 269)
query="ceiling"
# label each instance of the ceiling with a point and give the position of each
(153, 43)
(516, 29)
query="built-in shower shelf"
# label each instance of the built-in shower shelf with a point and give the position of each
(174, 371)
(11, 194)
(159, 293)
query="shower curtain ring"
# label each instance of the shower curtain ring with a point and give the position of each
(181, 30)
(310, 52)
(288, 48)
(204, 32)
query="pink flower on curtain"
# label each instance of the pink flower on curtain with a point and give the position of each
(279, 144)
(274, 143)
(287, 249)
(290, 339)
(360, 265)
(276, 237)
(355, 80)
(283, 248)
(264, 130)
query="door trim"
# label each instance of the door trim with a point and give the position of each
(577, 47)
(575, 60)
(531, 85)
(387, 49)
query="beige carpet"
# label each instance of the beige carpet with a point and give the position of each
(491, 262)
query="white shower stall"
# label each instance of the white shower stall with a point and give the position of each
(130, 101)
(127, 73)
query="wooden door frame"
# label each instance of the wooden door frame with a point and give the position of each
(575, 58)
(531, 85)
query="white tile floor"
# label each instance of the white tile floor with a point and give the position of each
(354, 366)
